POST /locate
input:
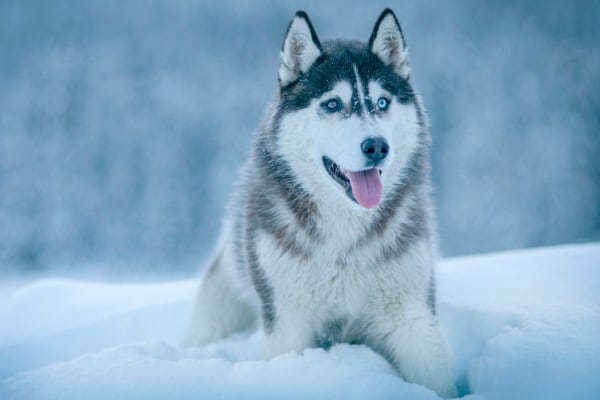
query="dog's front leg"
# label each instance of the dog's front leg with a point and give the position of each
(289, 333)
(409, 335)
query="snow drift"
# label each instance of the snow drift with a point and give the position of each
(523, 325)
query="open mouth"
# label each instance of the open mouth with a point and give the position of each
(363, 187)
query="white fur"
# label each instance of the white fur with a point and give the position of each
(400, 119)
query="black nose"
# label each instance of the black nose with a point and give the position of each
(375, 148)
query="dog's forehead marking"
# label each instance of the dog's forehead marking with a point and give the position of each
(362, 98)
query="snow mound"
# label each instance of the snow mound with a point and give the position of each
(523, 325)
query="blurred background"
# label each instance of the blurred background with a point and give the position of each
(123, 123)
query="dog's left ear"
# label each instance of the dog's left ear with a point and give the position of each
(387, 42)
(300, 50)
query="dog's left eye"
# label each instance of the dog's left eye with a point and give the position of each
(332, 105)
(383, 103)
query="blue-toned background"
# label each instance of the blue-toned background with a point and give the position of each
(123, 123)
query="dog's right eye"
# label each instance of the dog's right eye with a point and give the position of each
(332, 105)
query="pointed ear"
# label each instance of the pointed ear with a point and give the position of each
(387, 42)
(300, 50)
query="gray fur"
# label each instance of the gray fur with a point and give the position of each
(277, 172)
(261, 285)
(431, 294)
(331, 333)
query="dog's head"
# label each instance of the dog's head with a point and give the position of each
(347, 117)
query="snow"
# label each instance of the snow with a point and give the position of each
(522, 324)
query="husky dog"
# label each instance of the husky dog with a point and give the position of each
(329, 237)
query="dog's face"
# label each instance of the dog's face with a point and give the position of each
(348, 120)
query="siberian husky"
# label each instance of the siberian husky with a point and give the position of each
(329, 236)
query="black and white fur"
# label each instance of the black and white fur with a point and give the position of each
(296, 252)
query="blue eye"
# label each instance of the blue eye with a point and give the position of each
(383, 103)
(332, 105)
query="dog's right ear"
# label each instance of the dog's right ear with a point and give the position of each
(300, 50)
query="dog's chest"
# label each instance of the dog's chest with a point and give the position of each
(329, 278)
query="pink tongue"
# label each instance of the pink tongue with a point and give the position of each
(366, 187)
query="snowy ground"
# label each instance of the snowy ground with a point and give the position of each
(523, 325)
